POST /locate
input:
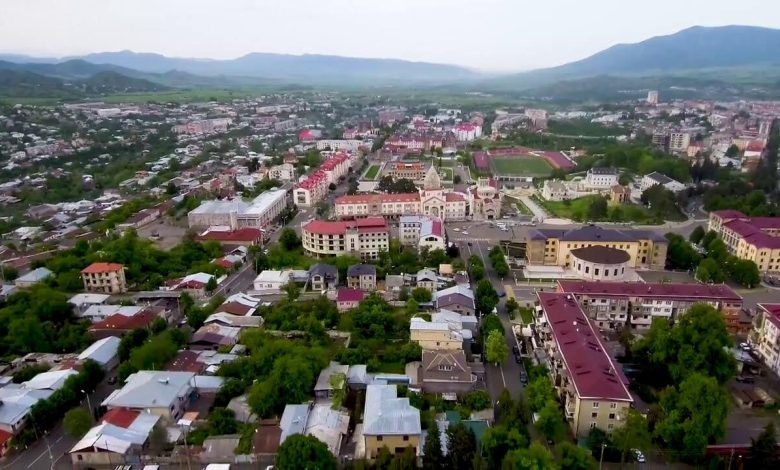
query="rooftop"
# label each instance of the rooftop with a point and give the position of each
(590, 366)
(346, 294)
(601, 254)
(771, 312)
(386, 414)
(102, 351)
(650, 289)
(595, 233)
(151, 389)
(333, 227)
(361, 270)
(97, 268)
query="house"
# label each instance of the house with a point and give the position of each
(104, 352)
(238, 321)
(323, 277)
(459, 299)
(436, 335)
(119, 324)
(214, 336)
(163, 393)
(96, 313)
(619, 194)
(33, 277)
(17, 402)
(119, 439)
(194, 284)
(7, 290)
(240, 304)
(246, 236)
(347, 298)
(389, 421)
(456, 321)
(107, 278)
(84, 301)
(445, 371)
(362, 276)
(427, 279)
(323, 389)
(52, 380)
(319, 420)
(271, 282)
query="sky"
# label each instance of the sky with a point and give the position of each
(489, 35)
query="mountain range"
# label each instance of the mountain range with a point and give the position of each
(727, 54)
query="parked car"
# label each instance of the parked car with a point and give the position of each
(638, 455)
(745, 379)
(515, 349)
(523, 377)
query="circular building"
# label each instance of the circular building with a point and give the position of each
(599, 263)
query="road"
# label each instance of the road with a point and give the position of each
(50, 452)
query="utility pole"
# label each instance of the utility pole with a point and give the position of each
(601, 458)
(731, 457)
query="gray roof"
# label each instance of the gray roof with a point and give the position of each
(386, 414)
(659, 178)
(361, 270)
(595, 233)
(426, 275)
(36, 275)
(293, 420)
(102, 351)
(326, 270)
(323, 381)
(604, 171)
(460, 295)
(151, 389)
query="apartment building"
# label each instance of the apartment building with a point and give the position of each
(315, 187)
(365, 238)
(414, 171)
(422, 232)
(679, 141)
(552, 247)
(106, 278)
(593, 389)
(603, 178)
(766, 335)
(752, 238)
(616, 305)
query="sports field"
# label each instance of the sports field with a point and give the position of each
(526, 165)
(372, 172)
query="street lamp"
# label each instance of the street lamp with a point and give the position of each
(89, 404)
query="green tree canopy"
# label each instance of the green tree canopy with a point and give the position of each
(550, 422)
(763, 450)
(535, 457)
(77, 422)
(496, 349)
(434, 457)
(461, 447)
(633, 434)
(539, 392)
(300, 452)
(574, 457)
(485, 297)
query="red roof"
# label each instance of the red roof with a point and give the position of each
(650, 289)
(242, 234)
(5, 436)
(753, 234)
(771, 312)
(97, 268)
(329, 227)
(453, 197)
(377, 198)
(755, 146)
(120, 417)
(590, 366)
(349, 295)
(117, 321)
(729, 214)
(185, 361)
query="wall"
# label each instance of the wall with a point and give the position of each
(391, 442)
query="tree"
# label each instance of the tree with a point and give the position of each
(289, 239)
(693, 415)
(697, 235)
(744, 272)
(461, 447)
(549, 421)
(597, 210)
(300, 452)
(539, 392)
(710, 270)
(485, 297)
(421, 295)
(158, 440)
(680, 254)
(763, 450)
(211, 285)
(338, 385)
(633, 434)
(535, 457)
(406, 460)
(196, 316)
(500, 439)
(732, 151)
(456, 179)
(222, 421)
(575, 458)
(496, 350)
(292, 290)
(412, 307)
(434, 458)
(77, 422)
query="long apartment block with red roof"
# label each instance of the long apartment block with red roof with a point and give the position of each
(752, 238)
(587, 378)
(615, 305)
(766, 335)
(365, 238)
(315, 187)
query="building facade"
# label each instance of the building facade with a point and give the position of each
(751, 238)
(552, 247)
(236, 214)
(601, 178)
(587, 379)
(766, 335)
(106, 278)
(365, 238)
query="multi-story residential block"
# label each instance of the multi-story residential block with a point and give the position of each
(236, 214)
(432, 200)
(616, 305)
(603, 178)
(594, 391)
(679, 141)
(389, 422)
(206, 126)
(283, 172)
(352, 145)
(552, 247)
(752, 238)
(106, 278)
(315, 187)
(766, 335)
(467, 131)
(365, 238)
(414, 171)
(652, 97)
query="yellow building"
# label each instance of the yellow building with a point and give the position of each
(389, 422)
(107, 278)
(582, 370)
(766, 335)
(751, 238)
(551, 247)
(434, 335)
(619, 194)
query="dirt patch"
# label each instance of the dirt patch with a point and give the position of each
(164, 233)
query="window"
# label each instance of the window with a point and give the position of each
(612, 406)
(379, 438)
(612, 416)
(595, 404)
(406, 438)
(594, 415)
(445, 368)
(592, 425)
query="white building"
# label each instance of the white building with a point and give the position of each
(467, 131)
(284, 172)
(236, 213)
(679, 141)
(365, 238)
(654, 178)
(766, 335)
(652, 97)
(351, 145)
(422, 232)
(271, 281)
(602, 178)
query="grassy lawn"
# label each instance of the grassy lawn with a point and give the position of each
(530, 166)
(372, 172)
(527, 316)
(447, 172)
(577, 210)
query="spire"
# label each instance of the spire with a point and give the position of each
(432, 181)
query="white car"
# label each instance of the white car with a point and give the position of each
(638, 455)
(745, 346)
(465, 232)
(456, 229)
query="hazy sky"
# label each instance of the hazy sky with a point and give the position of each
(484, 34)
